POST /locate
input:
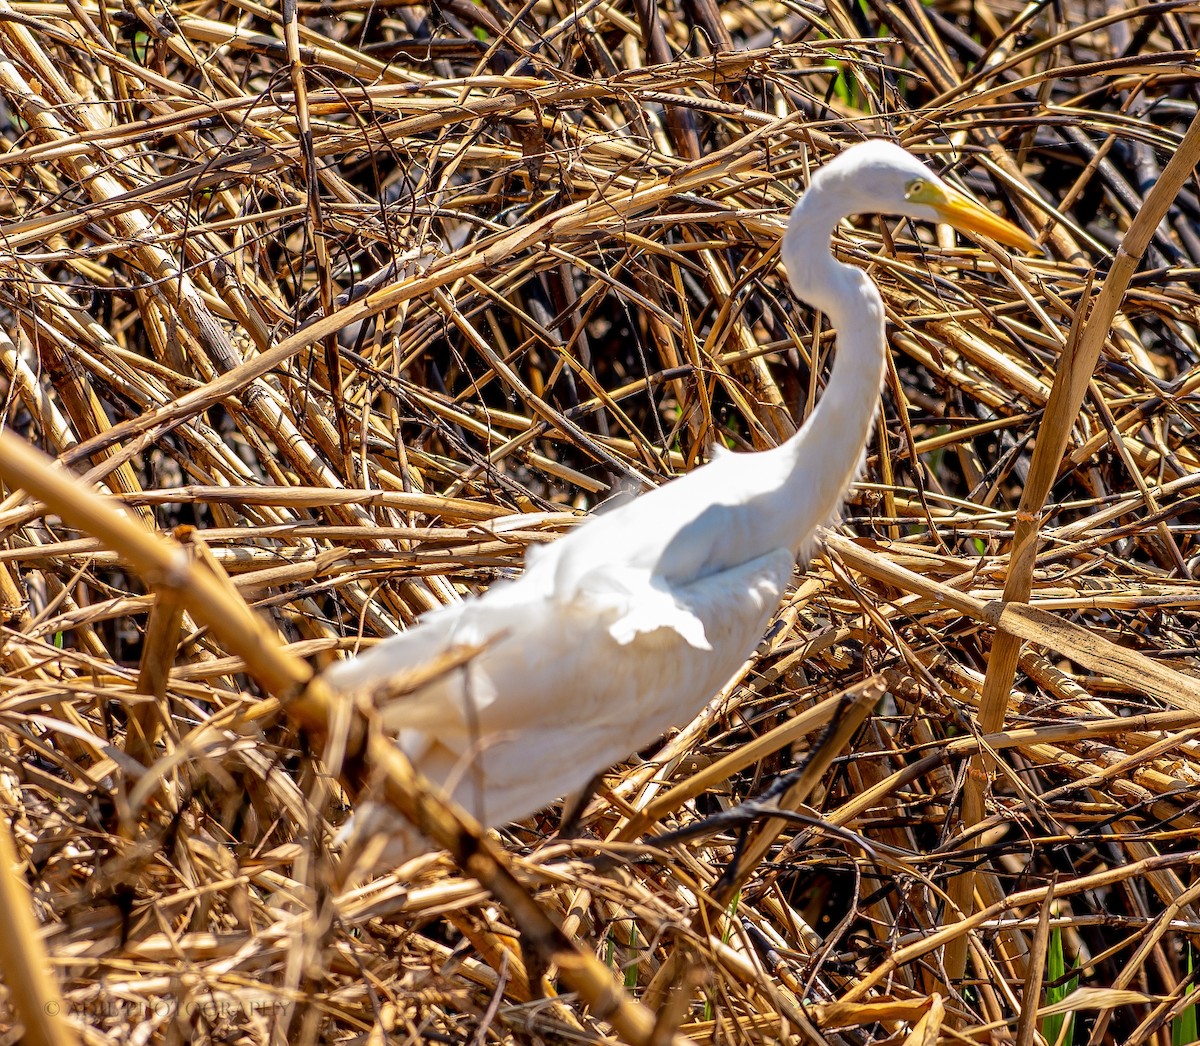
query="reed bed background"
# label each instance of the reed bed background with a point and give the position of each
(369, 297)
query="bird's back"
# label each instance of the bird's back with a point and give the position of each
(553, 697)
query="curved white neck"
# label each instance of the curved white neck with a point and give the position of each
(826, 455)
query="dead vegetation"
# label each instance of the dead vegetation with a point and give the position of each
(375, 295)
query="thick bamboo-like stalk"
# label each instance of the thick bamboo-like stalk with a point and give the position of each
(165, 564)
(32, 991)
(1066, 396)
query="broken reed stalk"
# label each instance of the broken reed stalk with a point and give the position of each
(1025, 623)
(1066, 396)
(165, 565)
(32, 988)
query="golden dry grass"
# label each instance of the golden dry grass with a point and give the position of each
(375, 295)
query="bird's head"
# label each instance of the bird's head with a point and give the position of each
(881, 178)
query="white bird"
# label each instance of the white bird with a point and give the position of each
(631, 623)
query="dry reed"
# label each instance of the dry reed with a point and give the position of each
(363, 299)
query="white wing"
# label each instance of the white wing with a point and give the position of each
(555, 696)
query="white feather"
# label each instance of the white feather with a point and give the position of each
(629, 625)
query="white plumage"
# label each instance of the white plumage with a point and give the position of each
(627, 626)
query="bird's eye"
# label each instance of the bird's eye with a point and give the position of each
(914, 188)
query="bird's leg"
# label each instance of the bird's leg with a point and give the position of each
(731, 874)
(574, 806)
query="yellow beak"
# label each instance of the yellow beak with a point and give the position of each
(964, 213)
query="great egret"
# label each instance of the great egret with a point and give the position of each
(627, 626)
